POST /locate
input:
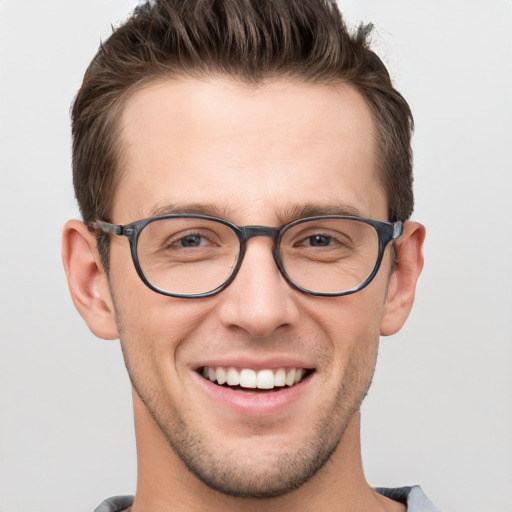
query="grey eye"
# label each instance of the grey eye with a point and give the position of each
(190, 241)
(319, 240)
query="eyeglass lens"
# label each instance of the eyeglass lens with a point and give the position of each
(189, 255)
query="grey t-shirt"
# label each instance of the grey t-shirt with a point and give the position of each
(413, 497)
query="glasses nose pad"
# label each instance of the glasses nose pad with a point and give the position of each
(276, 253)
(239, 261)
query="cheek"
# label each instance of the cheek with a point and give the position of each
(144, 316)
(352, 324)
(155, 330)
(157, 323)
(352, 317)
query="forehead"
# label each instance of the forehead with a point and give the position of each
(243, 149)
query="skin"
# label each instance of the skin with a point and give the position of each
(252, 155)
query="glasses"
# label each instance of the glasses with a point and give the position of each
(193, 256)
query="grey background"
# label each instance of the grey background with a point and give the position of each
(440, 410)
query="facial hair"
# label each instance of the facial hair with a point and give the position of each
(258, 473)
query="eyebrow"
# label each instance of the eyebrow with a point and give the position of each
(198, 208)
(300, 211)
(284, 214)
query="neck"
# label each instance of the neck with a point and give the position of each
(165, 484)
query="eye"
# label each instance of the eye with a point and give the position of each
(318, 241)
(191, 241)
(330, 240)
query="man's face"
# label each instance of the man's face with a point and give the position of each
(254, 156)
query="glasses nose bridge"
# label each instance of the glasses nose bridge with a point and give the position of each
(249, 232)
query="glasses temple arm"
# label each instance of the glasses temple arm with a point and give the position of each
(106, 227)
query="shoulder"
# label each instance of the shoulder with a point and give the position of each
(413, 497)
(115, 504)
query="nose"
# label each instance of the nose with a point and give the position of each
(259, 300)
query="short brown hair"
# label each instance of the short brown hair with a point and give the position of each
(250, 41)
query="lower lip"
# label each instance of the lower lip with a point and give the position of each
(259, 403)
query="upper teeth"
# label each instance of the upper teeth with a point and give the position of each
(248, 378)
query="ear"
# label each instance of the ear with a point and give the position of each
(87, 280)
(402, 283)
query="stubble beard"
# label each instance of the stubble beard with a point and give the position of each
(244, 475)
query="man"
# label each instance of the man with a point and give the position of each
(243, 169)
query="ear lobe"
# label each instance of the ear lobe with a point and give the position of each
(87, 281)
(402, 283)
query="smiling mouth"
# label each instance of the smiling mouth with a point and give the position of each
(249, 379)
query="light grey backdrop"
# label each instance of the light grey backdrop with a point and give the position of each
(440, 410)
